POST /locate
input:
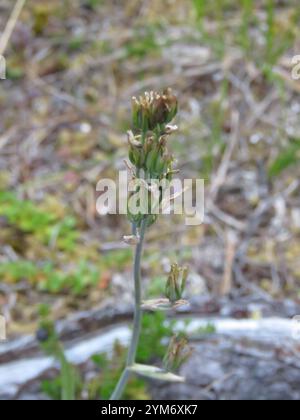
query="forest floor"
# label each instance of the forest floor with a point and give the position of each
(72, 68)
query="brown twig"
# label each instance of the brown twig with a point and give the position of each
(10, 26)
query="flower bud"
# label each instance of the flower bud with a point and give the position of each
(178, 352)
(176, 283)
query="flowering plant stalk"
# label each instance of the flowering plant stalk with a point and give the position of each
(152, 115)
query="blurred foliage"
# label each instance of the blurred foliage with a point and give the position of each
(287, 157)
(48, 228)
(143, 43)
(93, 4)
(90, 56)
(278, 36)
(71, 67)
(154, 330)
(67, 385)
(44, 225)
(156, 287)
(46, 277)
(207, 330)
(111, 369)
(156, 333)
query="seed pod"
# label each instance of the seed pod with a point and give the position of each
(142, 159)
(151, 160)
(178, 352)
(136, 114)
(176, 283)
(134, 156)
(149, 144)
(153, 109)
(160, 165)
(163, 141)
(152, 114)
(185, 273)
(133, 140)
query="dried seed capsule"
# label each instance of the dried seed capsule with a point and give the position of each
(176, 283)
(151, 160)
(154, 109)
(178, 352)
(134, 156)
(133, 140)
(160, 166)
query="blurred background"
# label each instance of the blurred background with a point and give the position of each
(72, 68)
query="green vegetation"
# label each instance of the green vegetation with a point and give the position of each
(287, 157)
(72, 65)
(93, 4)
(67, 385)
(278, 35)
(47, 278)
(152, 117)
(44, 228)
(143, 44)
(44, 225)
(156, 333)
(110, 370)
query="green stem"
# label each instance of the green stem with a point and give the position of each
(117, 394)
(68, 380)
